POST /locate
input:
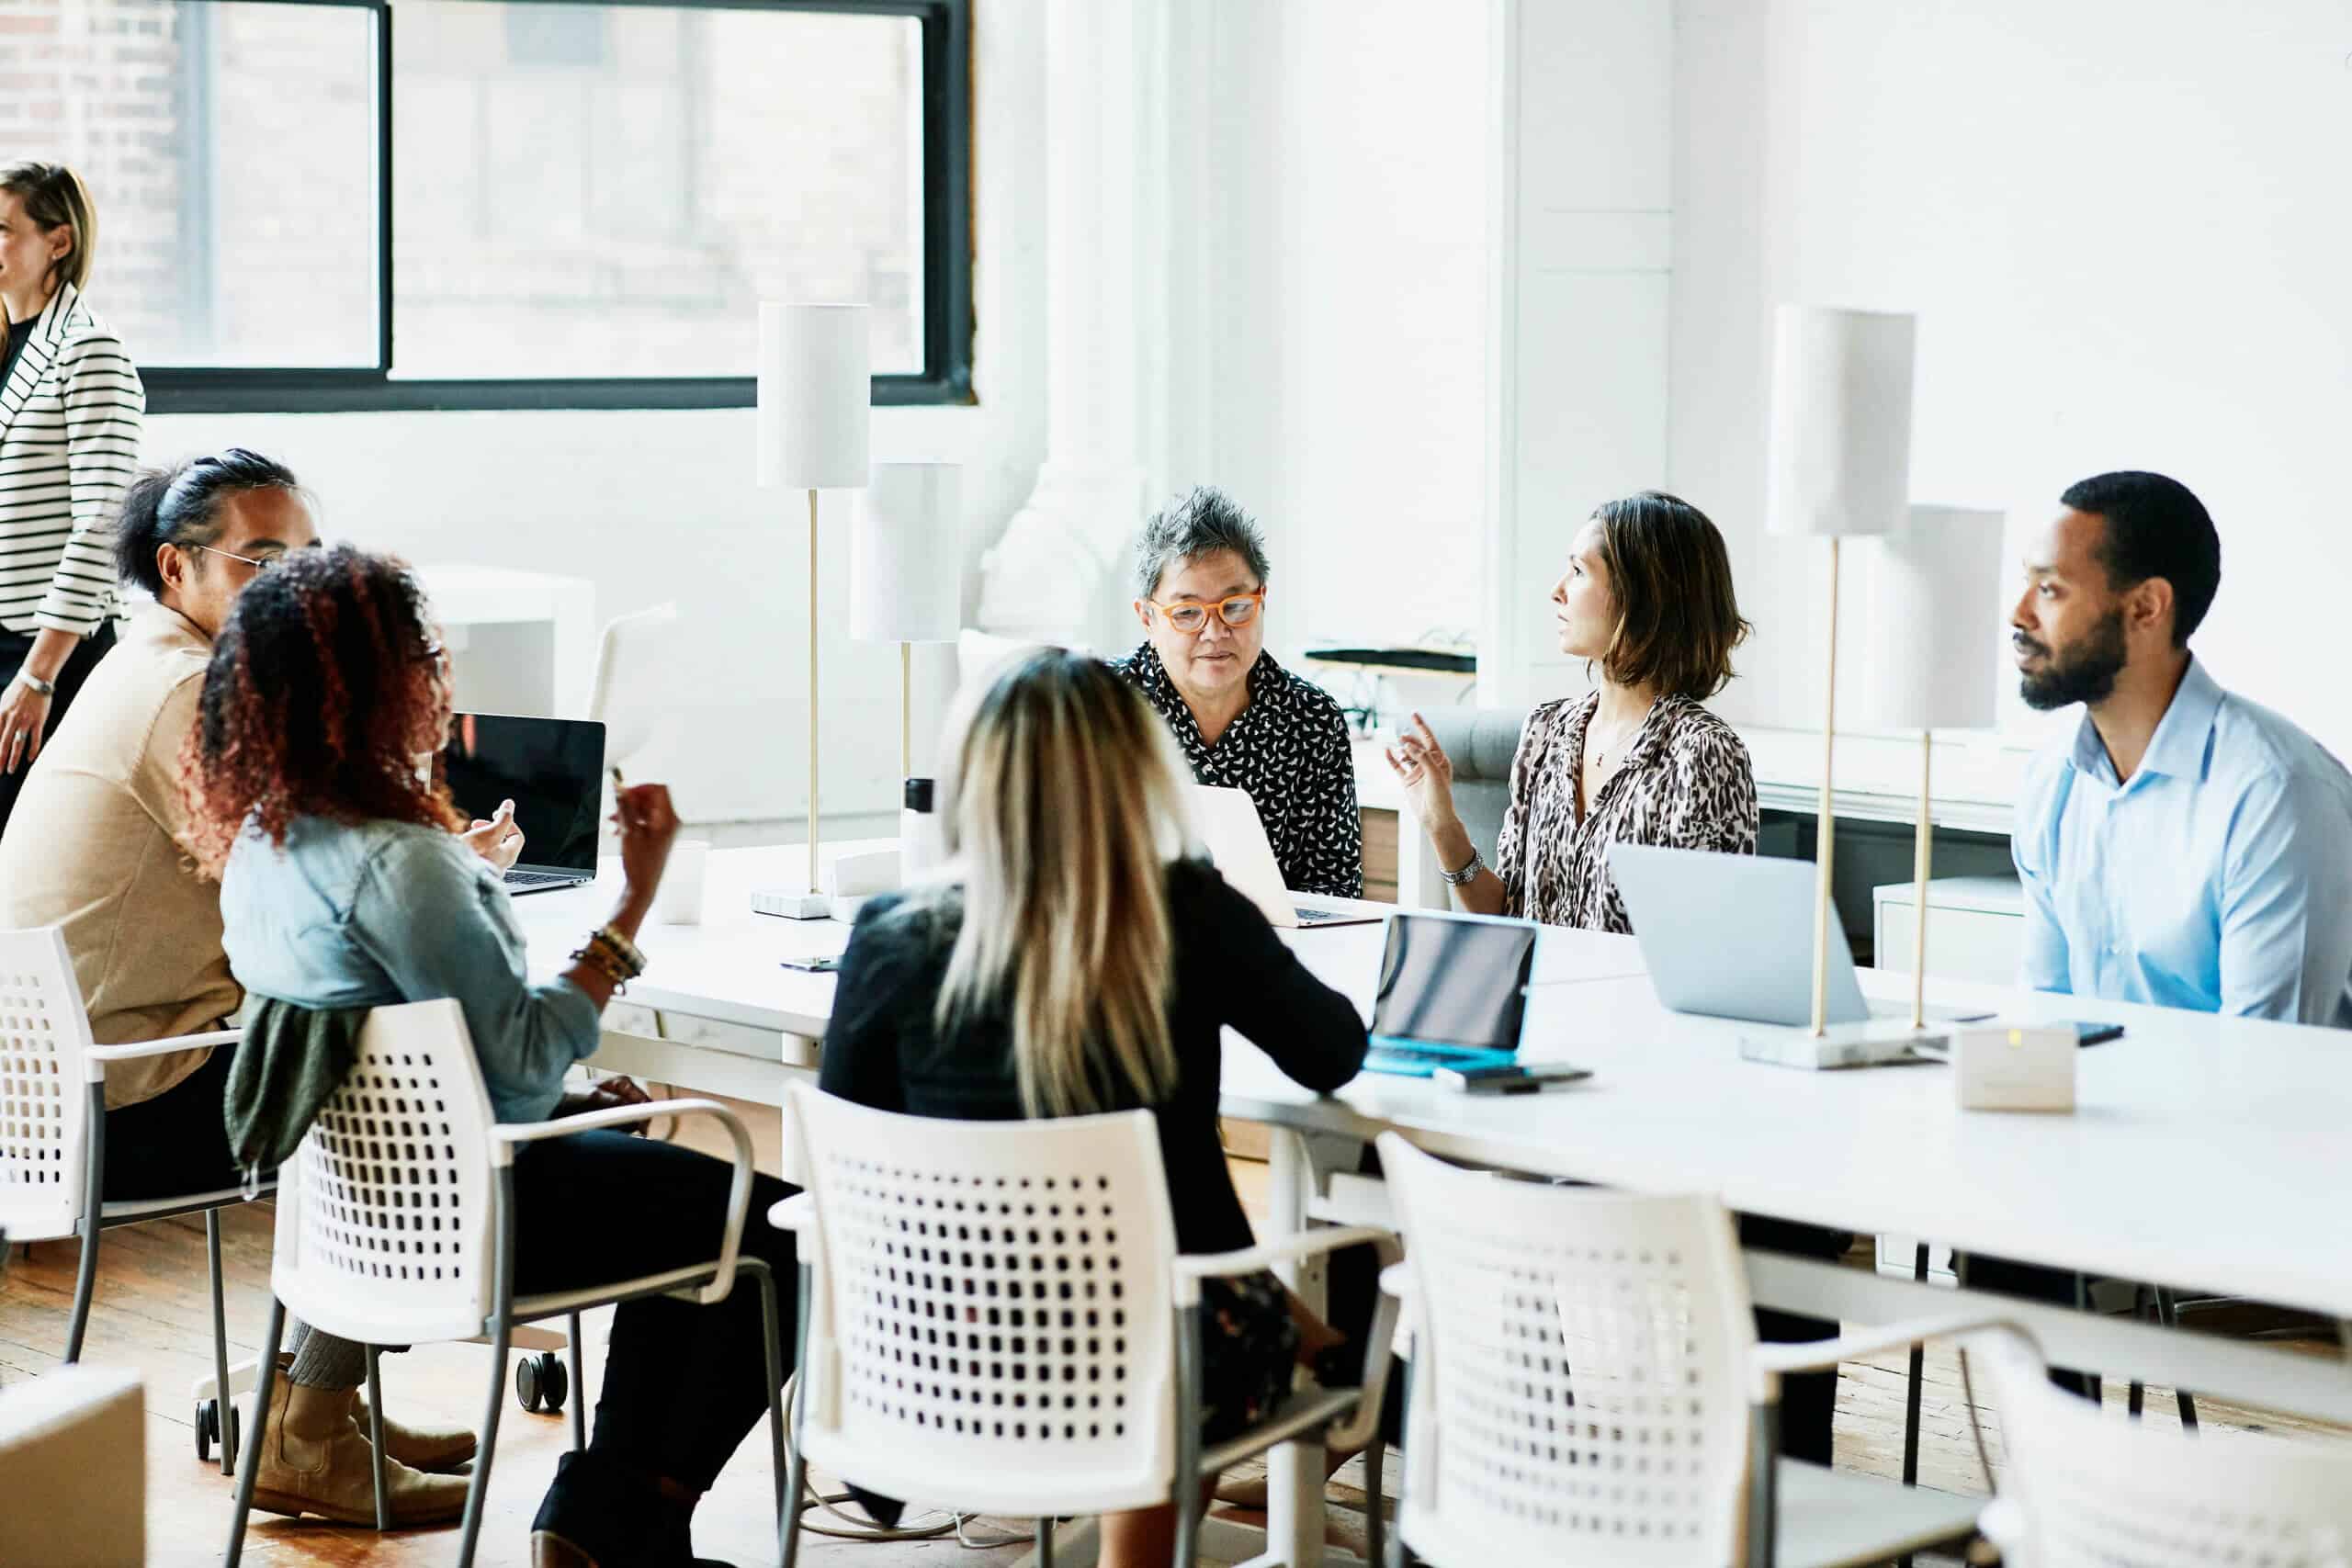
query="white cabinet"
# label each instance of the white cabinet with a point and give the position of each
(1975, 928)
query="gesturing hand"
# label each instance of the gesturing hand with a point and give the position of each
(498, 840)
(1426, 773)
(649, 825)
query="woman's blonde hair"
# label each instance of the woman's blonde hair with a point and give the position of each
(54, 195)
(1062, 805)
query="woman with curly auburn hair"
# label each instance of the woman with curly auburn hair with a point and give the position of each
(346, 884)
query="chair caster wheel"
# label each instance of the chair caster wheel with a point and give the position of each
(208, 1430)
(541, 1383)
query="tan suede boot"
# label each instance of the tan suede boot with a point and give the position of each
(313, 1460)
(434, 1449)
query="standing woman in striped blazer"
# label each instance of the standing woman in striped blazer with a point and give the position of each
(69, 409)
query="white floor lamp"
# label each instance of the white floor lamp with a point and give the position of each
(816, 396)
(1839, 466)
(1936, 635)
(906, 571)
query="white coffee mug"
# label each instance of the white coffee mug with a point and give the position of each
(679, 900)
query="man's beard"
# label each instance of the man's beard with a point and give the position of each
(2083, 673)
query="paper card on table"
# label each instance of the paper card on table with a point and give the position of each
(2014, 1069)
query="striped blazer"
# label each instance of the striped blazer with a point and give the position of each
(69, 444)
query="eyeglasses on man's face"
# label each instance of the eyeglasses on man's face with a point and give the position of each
(1234, 610)
(259, 563)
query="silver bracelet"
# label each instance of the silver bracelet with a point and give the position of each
(1469, 873)
(36, 686)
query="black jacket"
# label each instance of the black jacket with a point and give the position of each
(882, 1050)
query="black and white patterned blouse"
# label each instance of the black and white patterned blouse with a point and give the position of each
(1686, 783)
(1288, 750)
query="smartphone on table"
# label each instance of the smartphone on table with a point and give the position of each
(1508, 1078)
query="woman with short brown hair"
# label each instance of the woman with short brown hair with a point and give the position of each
(1647, 601)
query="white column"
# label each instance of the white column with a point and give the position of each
(1059, 573)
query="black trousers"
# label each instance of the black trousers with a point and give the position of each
(683, 1383)
(13, 648)
(1808, 1400)
(175, 1143)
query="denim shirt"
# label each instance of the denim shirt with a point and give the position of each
(379, 913)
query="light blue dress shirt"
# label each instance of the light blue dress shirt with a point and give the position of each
(2218, 878)
(378, 913)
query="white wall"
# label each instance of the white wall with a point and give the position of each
(1337, 390)
(661, 506)
(2127, 230)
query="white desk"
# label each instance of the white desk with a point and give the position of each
(2206, 1153)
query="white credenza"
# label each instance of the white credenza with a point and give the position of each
(1975, 928)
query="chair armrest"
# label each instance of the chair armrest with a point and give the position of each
(507, 1137)
(1396, 1279)
(795, 1213)
(95, 1057)
(1773, 1363)
(1380, 1340)
(1190, 1271)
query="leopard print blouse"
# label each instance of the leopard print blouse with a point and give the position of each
(1686, 783)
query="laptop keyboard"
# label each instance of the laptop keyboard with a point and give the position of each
(1313, 917)
(543, 879)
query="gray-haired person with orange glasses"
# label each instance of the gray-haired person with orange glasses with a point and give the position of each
(1242, 720)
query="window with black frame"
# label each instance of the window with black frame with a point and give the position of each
(361, 204)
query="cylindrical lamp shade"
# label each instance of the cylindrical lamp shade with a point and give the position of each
(816, 396)
(1935, 622)
(1840, 449)
(906, 557)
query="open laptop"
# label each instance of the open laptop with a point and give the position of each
(1731, 936)
(1453, 992)
(1236, 843)
(553, 770)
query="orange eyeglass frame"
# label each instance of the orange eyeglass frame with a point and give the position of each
(1255, 599)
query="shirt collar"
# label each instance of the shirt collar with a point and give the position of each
(161, 624)
(2178, 748)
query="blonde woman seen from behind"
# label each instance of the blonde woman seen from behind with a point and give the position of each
(1072, 959)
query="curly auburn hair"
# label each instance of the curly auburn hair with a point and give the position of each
(322, 682)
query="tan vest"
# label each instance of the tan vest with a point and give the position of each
(90, 847)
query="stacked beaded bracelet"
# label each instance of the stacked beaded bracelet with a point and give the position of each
(613, 955)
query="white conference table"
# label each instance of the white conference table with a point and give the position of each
(2204, 1154)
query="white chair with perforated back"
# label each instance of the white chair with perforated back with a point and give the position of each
(53, 1135)
(396, 1226)
(2081, 1491)
(995, 1318)
(1587, 1387)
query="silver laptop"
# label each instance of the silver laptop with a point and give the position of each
(1236, 843)
(552, 769)
(1731, 936)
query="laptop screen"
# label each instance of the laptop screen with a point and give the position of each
(552, 769)
(1449, 981)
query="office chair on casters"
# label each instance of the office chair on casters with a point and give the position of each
(53, 1139)
(1587, 1386)
(396, 1226)
(994, 1317)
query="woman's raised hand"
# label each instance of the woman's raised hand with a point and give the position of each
(1426, 773)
